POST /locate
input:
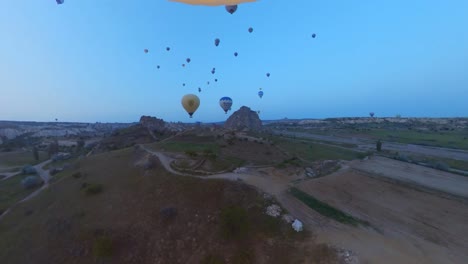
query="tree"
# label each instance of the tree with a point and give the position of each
(35, 153)
(53, 148)
(80, 144)
(379, 145)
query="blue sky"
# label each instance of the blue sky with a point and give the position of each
(84, 60)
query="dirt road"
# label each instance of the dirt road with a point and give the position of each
(414, 175)
(366, 144)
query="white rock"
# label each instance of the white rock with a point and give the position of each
(297, 225)
(273, 210)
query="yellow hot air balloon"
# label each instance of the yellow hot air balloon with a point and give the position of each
(190, 102)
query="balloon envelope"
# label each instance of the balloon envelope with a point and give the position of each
(268, 74)
(260, 94)
(235, 54)
(217, 41)
(59, 2)
(225, 103)
(168, 49)
(231, 9)
(188, 60)
(313, 35)
(250, 30)
(146, 50)
(190, 103)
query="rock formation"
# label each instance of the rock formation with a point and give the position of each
(244, 119)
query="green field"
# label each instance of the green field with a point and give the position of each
(20, 158)
(325, 209)
(311, 151)
(11, 191)
(448, 139)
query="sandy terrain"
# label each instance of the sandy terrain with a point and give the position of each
(408, 225)
(414, 174)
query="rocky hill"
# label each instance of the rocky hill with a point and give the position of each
(244, 119)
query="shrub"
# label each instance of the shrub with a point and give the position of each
(379, 145)
(102, 247)
(31, 182)
(91, 189)
(28, 169)
(212, 259)
(441, 166)
(234, 222)
(76, 175)
(191, 153)
(244, 256)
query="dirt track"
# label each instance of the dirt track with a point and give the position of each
(414, 174)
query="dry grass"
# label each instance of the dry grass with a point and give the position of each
(65, 224)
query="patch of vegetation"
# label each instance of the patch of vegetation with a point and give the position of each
(191, 153)
(449, 139)
(325, 209)
(102, 247)
(294, 161)
(315, 151)
(12, 191)
(212, 259)
(244, 256)
(20, 158)
(92, 189)
(234, 222)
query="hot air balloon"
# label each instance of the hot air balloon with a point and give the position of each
(59, 2)
(168, 49)
(371, 114)
(216, 80)
(268, 74)
(231, 9)
(314, 35)
(225, 103)
(260, 94)
(208, 83)
(158, 67)
(183, 84)
(183, 64)
(235, 54)
(146, 50)
(217, 41)
(199, 89)
(212, 72)
(190, 102)
(188, 60)
(258, 112)
(250, 30)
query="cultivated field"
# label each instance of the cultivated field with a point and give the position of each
(407, 224)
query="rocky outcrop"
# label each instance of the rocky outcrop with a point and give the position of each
(244, 119)
(153, 123)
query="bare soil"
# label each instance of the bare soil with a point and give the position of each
(408, 225)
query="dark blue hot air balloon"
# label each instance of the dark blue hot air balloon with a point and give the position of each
(260, 94)
(217, 41)
(235, 54)
(59, 2)
(231, 9)
(225, 103)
